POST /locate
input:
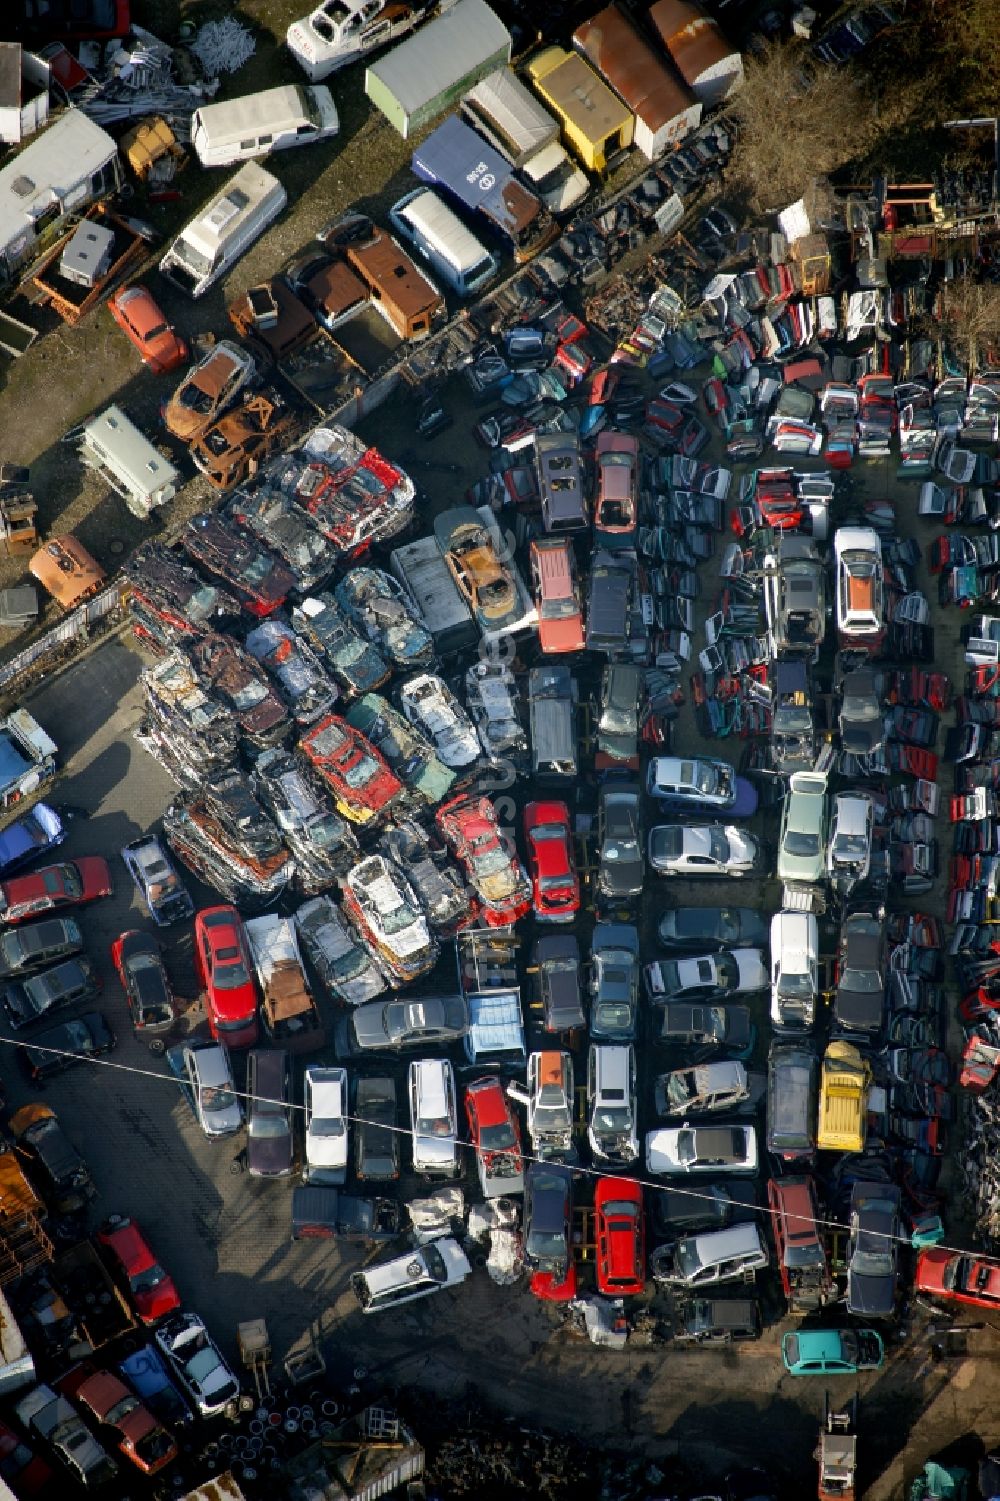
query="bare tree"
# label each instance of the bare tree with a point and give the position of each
(796, 124)
(970, 313)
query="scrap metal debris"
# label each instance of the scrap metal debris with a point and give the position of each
(223, 46)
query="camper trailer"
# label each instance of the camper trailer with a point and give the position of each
(128, 462)
(215, 240)
(255, 124)
(67, 167)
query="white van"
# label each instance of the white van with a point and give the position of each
(254, 124)
(442, 239)
(207, 247)
(128, 462)
(415, 1274)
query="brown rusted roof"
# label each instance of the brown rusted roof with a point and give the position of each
(648, 86)
(65, 568)
(336, 289)
(381, 263)
(693, 39)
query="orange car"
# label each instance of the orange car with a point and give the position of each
(65, 568)
(138, 315)
(140, 1437)
(470, 551)
(207, 390)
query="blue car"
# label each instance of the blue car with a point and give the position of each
(832, 1352)
(146, 1372)
(36, 833)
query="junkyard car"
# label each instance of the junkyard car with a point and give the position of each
(304, 685)
(207, 389)
(618, 714)
(440, 890)
(684, 785)
(59, 1047)
(324, 844)
(378, 605)
(616, 511)
(708, 929)
(418, 1272)
(860, 587)
(794, 969)
(42, 1141)
(548, 1099)
(612, 1105)
(548, 1213)
(792, 1092)
(406, 1023)
(496, 874)
(701, 1149)
(210, 1079)
(406, 750)
(24, 950)
(137, 958)
(727, 1027)
(35, 833)
(558, 598)
(53, 1418)
(157, 882)
(169, 601)
(848, 856)
(704, 850)
(353, 494)
(69, 884)
(138, 316)
(376, 1140)
(496, 1137)
(381, 902)
(21, 1466)
(556, 962)
(255, 575)
(325, 1115)
(706, 977)
(958, 1277)
(619, 843)
(283, 528)
(197, 1364)
(484, 582)
(548, 839)
(429, 703)
(350, 658)
(140, 1437)
(862, 717)
(337, 956)
(230, 673)
(614, 982)
(795, 596)
(873, 1250)
(832, 1352)
(363, 787)
(859, 1004)
(151, 1289)
(434, 1117)
(802, 842)
(31, 999)
(621, 1241)
(270, 1133)
(702, 1089)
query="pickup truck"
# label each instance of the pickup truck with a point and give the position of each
(288, 1010)
(27, 757)
(322, 1212)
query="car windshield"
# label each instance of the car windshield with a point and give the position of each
(868, 980)
(63, 878)
(612, 1122)
(719, 846)
(713, 780)
(559, 609)
(617, 720)
(797, 843)
(398, 919)
(497, 1138)
(214, 1098)
(796, 987)
(433, 1125)
(861, 706)
(686, 1258)
(491, 862)
(361, 772)
(850, 847)
(248, 695)
(553, 1115)
(546, 1245)
(872, 1262)
(148, 1279)
(269, 1127)
(680, 1088)
(230, 976)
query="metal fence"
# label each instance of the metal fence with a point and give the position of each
(54, 642)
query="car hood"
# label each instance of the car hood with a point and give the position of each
(861, 736)
(270, 1156)
(752, 969)
(860, 1009)
(872, 1296)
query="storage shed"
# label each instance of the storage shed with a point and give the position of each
(418, 80)
(596, 125)
(664, 107)
(703, 57)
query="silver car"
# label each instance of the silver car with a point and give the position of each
(213, 1094)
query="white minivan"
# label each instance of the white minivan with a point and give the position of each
(434, 1117)
(254, 124)
(215, 239)
(451, 250)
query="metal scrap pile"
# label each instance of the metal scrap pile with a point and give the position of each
(143, 77)
(324, 844)
(979, 1168)
(223, 834)
(190, 734)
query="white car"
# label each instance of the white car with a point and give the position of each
(704, 1088)
(434, 1117)
(549, 1099)
(192, 1357)
(612, 1104)
(706, 977)
(325, 1095)
(675, 1150)
(849, 855)
(860, 588)
(802, 844)
(213, 1093)
(415, 1274)
(794, 969)
(711, 849)
(383, 904)
(429, 703)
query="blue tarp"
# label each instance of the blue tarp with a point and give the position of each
(495, 1025)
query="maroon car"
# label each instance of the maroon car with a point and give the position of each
(169, 600)
(229, 673)
(262, 582)
(69, 884)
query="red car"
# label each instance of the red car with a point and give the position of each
(958, 1277)
(469, 825)
(20, 1466)
(69, 884)
(363, 787)
(544, 1285)
(555, 885)
(621, 1238)
(222, 961)
(616, 511)
(138, 315)
(153, 1291)
(496, 1136)
(140, 1437)
(557, 595)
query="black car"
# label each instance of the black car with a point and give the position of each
(548, 1214)
(27, 1001)
(57, 1162)
(253, 573)
(872, 1251)
(618, 713)
(556, 962)
(709, 1206)
(401, 1023)
(144, 981)
(23, 950)
(619, 843)
(270, 1141)
(728, 1027)
(59, 1047)
(862, 718)
(709, 929)
(376, 1141)
(859, 1005)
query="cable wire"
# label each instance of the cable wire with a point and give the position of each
(578, 1169)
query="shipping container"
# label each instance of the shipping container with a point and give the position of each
(596, 125)
(664, 107)
(422, 77)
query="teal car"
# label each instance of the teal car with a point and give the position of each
(407, 752)
(832, 1352)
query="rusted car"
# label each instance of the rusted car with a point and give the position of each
(169, 601)
(227, 671)
(262, 583)
(233, 448)
(208, 389)
(66, 570)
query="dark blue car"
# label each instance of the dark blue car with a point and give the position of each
(36, 833)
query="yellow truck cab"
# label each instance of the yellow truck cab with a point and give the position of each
(845, 1079)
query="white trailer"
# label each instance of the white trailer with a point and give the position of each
(207, 247)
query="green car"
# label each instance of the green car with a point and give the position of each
(408, 753)
(832, 1352)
